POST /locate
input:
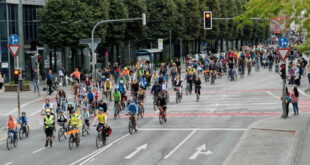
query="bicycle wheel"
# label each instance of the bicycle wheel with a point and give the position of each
(71, 141)
(27, 131)
(161, 118)
(142, 112)
(9, 143)
(130, 127)
(21, 133)
(116, 111)
(84, 131)
(60, 134)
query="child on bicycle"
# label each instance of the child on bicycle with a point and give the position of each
(62, 120)
(23, 121)
(86, 116)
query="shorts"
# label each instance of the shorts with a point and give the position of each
(49, 132)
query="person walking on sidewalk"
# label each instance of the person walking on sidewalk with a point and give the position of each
(295, 98)
(1, 81)
(35, 80)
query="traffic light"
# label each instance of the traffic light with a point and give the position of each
(283, 71)
(207, 20)
(16, 72)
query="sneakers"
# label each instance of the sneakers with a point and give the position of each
(51, 144)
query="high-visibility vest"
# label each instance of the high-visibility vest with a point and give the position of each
(49, 121)
(74, 120)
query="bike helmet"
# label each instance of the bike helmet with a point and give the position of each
(23, 113)
(48, 110)
(100, 109)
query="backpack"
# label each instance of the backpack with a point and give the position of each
(288, 99)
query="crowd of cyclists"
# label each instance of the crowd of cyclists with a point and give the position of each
(127, 86)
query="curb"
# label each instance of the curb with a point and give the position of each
(242, 138)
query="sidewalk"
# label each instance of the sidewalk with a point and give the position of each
(273, 141)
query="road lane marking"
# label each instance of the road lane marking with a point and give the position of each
(192, 129)
(138, 149)
(273, 95)
(38, 150)
(200, 150)
(8, 163)
(23, 105)
(90, 156)
(180, 144)
(303, 93)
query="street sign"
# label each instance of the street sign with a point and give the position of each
(14, 49)
(283, 42)
(283, 52)
(160, 44)
(5, 65)
(88, 42)
(14, 39)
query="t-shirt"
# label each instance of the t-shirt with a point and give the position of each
(102, 118)
(76, 74)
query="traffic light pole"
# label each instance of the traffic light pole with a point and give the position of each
(18, 87)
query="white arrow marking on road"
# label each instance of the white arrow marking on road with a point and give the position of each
(199, 151)
(138, 149)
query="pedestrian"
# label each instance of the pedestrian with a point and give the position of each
(295, 98)
(61, 74)
(1, 81)
(49, 81)
(297, 75)
(308, 70)
(35, 80)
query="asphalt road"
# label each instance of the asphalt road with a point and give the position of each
(203, 132)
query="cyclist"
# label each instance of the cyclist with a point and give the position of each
(132, 110)
(162, 104)
(141, 96)
(134, 88)
(107, 89)
(102, 119)
(122, 90)
(103, 106)
(81, 93)
(49, 123)
(116, 96)
(91, 98)
(189, 77)
(23, 121)
(197, 83)
(70, 108)
(86, 116)
(157, 88)
(173, 72)
(75, 123)
(46, 105)
(12, 126)
(62, 120)
(148, 76)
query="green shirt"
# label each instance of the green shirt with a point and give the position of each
(117, 96)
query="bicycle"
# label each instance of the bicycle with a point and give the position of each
(213, 77)
(241, 71)
(101, 138)
(131, 125)
(62, 131)
(117, 110)
(154, 102)
(162, 115)
(73, 137)
(197, 94)
(188, 89)
(23, 131)
(141, 110)
(10, 142)
(178, 95)
(85, 129)
(206, 76)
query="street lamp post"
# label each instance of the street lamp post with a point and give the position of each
(93, 48)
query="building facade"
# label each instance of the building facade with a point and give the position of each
(9, 24)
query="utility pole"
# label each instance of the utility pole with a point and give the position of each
(170, 53)
(38, 70)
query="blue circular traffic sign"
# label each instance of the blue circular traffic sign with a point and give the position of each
(283, 42)
(14, 39)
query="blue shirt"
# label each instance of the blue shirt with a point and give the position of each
(90, 96)
(132, 109)
(23, 119)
